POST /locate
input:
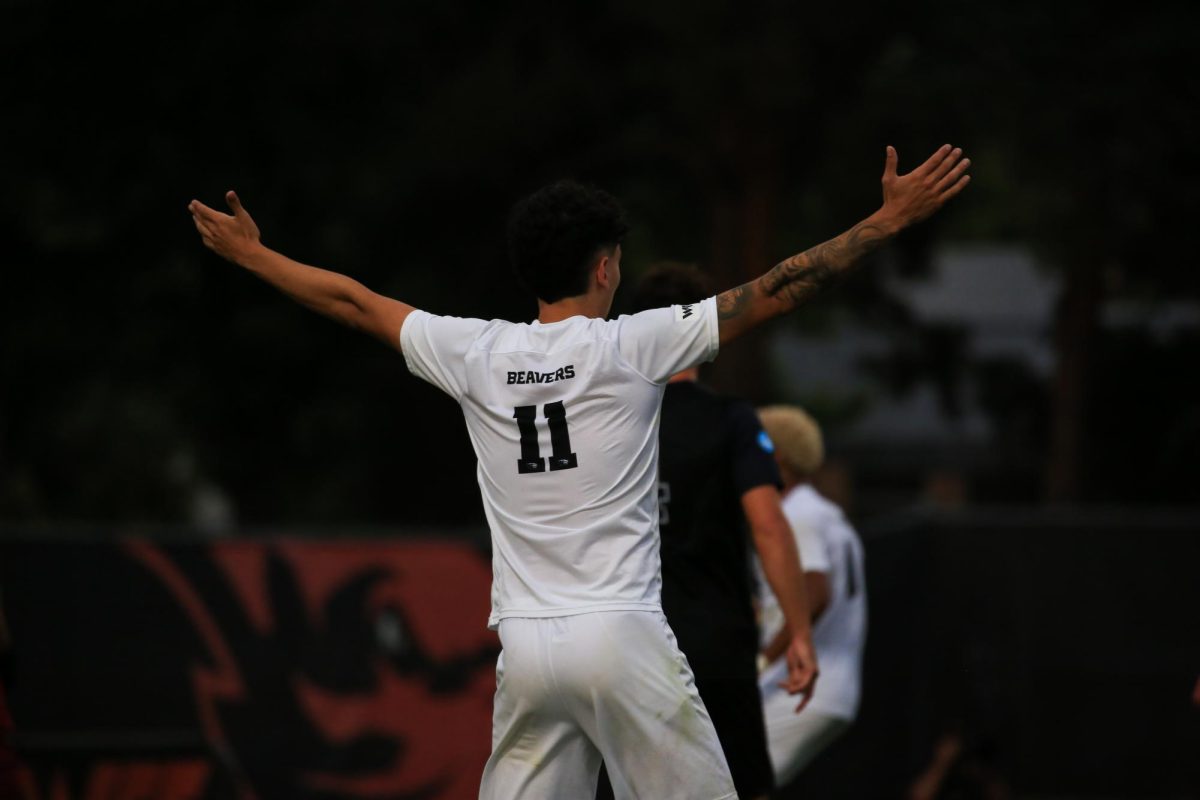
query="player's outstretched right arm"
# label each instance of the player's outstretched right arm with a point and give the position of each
(235, 237)
(907, 199)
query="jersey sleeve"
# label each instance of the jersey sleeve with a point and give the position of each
(436, 347)
(752, 459)
(813, 556)
(663, 341)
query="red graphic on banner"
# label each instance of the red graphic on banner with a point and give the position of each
(153, 779)
(340, 669)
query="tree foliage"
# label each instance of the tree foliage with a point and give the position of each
(389, 140)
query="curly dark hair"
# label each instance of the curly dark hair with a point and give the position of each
(670, 283)
(555, 234)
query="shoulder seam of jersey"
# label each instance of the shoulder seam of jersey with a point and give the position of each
(616, 343)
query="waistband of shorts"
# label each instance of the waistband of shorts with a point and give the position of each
(591, 608)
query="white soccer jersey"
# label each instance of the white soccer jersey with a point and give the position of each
(827, 544)
(564, 421)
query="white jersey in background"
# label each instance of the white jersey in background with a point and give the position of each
(564, 421)
(827, 544)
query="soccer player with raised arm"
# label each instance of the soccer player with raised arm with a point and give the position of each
(563, 416)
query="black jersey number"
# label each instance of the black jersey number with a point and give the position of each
(531, 459)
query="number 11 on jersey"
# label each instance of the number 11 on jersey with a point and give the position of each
(531, 459)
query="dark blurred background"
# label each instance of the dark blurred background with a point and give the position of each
(1024, 356)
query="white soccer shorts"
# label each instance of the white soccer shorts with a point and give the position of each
(613, 685)
(795, 739)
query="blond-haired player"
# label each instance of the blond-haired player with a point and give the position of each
(833, 574)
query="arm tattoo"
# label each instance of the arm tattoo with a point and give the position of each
(800, 277)
(733, 302)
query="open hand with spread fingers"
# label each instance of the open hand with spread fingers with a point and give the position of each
(234, 237)
(910, 198)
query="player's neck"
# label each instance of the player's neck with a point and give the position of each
(593, 304)
(791, 481)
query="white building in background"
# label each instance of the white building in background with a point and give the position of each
(998, 295)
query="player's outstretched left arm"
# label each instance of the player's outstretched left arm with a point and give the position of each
(235, 237)
(907, 199)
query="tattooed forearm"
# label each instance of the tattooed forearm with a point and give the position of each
(796, 280)
(733, 302)
(800, 277)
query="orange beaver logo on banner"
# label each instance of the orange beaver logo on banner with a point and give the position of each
(338, 669)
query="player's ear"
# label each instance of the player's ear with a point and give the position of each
(602, 271)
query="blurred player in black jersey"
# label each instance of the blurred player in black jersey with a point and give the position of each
(717, 477)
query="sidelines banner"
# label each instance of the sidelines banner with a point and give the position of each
(284, 668)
